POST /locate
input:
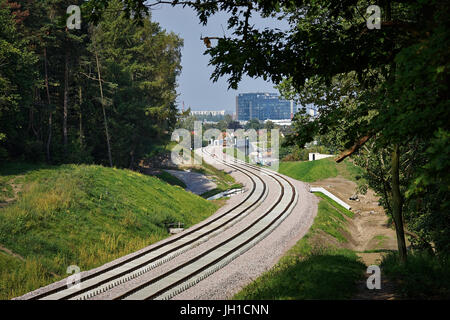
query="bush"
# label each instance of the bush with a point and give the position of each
(424, 276)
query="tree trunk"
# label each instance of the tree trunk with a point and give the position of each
(397, 203)
(104, 112)
(49, 139)
(81, 116)
(66, 99)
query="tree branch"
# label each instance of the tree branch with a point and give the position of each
(353, 149)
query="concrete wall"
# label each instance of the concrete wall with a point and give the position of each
(317, 156)
(330, 195)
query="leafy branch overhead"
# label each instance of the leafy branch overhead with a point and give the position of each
(377, 90)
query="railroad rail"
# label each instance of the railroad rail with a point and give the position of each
(147, 260)
(187, 274)
(191, 272)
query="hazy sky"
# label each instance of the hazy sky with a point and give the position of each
(195, 87)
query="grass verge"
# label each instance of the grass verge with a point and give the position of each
(223, 180)
(86, 216)
(171, 179)
(310, 171)
(313, 269)
(424, 276)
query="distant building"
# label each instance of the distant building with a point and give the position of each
(208, 113)
(263, 106)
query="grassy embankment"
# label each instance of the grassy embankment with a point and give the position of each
(424, 276)
(318, 266)
(223, 180)
(310, 171)
(325, 271)
(313, 269)
(81, 215)
(171, 179)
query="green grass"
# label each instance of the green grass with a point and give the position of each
(310, 171)
(223, 180)
(380, 239)
(86, 216)
(312, 270)
(424, 276)
(170, 179)
(6, 190)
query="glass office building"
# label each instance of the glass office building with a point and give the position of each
(263, 106)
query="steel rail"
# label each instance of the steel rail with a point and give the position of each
(185, 244)
(184, 279)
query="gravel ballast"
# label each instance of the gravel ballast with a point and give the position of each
(225, 282)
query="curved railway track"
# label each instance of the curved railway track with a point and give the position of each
(145, 261)
(137, 265)
(189, 273)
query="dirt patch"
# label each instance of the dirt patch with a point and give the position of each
(367, 233)
(196, 182)
(368, 230)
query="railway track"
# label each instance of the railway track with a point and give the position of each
(189, 273)
(147, 260)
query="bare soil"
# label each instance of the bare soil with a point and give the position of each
(368, 232)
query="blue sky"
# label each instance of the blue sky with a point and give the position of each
(194, 85)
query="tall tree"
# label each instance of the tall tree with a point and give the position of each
(329, 38)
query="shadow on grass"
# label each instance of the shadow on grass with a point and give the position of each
(423, 276)
(319, 276)
(17, 168)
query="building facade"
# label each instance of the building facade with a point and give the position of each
(263, 106)
(208, 113)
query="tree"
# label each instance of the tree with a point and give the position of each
(80, 95)
(327, 39)
(140, 63)
(269, 125)
(253, 124)
(17, 73)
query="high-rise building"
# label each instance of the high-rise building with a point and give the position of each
(263, 106)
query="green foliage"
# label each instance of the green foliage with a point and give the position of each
(424, 276)
(51, 107)
(295, 153)
(311, 271)
(310, 171)
(87, 216)
(253, 124)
